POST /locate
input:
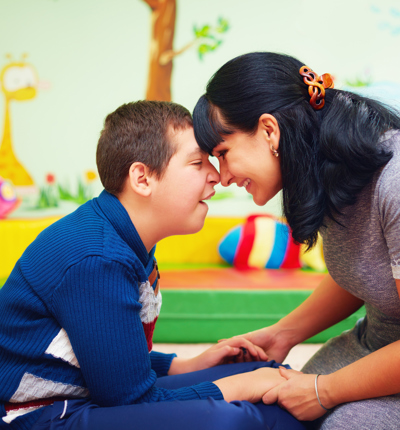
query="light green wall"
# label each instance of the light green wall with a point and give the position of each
(94, 55)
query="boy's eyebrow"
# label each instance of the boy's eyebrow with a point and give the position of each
(196, 152)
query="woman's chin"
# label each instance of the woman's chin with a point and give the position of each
(261, 200)
(260, 203)
(264, 198)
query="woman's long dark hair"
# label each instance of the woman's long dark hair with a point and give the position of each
(327, 156)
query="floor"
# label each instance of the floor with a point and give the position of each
(297, 357)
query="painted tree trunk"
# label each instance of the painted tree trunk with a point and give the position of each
(162, 35)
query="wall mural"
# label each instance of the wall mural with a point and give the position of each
(163, 16)
(387, 91)
(18, 83)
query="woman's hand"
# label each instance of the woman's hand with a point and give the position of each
(275, 342)
(249, 386)
(234, 350)
(327, 305)
(297, 395)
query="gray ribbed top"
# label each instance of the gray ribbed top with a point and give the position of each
(364, 257)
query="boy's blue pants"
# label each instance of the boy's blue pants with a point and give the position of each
(207, 414)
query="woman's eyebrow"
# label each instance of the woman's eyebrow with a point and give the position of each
(217, 152)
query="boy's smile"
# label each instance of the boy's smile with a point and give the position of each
(188, 181)
(207, 198)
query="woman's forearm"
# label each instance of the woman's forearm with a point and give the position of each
(326, 306)
(376, 375)
(373, 376)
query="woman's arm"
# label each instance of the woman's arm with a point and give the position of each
(376, 375)
(326, 306)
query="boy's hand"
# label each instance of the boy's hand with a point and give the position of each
(250, 386)
(234, 350)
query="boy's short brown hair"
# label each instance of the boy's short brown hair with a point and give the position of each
(138, 131)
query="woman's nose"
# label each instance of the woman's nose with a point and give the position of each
(225, 175)
(213, 177)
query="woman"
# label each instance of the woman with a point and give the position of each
(276, 125)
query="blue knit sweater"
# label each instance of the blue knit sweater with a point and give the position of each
(72, 314)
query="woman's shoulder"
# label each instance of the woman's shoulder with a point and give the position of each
(390, 141)
(388, 178)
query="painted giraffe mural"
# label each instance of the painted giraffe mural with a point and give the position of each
(18, 82)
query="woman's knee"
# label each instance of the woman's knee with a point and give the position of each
(373, 414)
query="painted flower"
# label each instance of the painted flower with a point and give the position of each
(90, 175)
(50, 178)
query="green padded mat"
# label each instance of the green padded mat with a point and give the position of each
(195, 316)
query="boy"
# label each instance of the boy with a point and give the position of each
(78, 312)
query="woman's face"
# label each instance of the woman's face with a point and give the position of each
(249, 161)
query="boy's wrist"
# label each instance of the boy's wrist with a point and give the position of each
(181, 365)
(175, 366)
(229, 388)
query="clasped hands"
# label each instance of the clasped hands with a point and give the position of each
(291, 389)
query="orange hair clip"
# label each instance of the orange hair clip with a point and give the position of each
(316, 86)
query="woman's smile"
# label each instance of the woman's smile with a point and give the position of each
(245, 183)
(248, 161)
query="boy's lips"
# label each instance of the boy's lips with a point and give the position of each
(209, 196)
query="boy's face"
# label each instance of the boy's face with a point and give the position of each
(189, 179)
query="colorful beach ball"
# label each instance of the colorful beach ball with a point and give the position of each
(263, 241)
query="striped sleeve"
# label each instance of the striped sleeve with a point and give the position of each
(97, 305)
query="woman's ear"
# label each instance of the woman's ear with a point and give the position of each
(138, 179)
(269, 126)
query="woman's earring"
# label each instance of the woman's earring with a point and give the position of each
(274, 151)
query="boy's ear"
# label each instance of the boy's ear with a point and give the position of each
(138, 179)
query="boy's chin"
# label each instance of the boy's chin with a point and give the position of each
(193, 227)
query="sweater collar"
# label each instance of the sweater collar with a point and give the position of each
(119, 218)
